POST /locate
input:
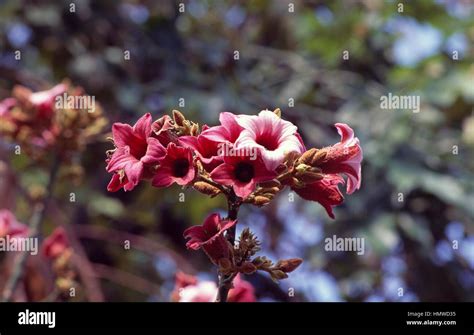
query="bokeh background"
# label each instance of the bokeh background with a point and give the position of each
(425, 157)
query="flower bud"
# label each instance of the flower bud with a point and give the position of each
(277, 112)
(248, 268)
(307, 156)
(260, 200)
(278, 274)
(225, 266)
(178, 118)
(289, 265)
(206, 188)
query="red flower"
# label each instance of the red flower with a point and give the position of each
(243, 173)
(344, 157)
(206, 150)
(324, 191)
(55, 244)
(175, 167)
(136, 151)
(210, 237)
(10, 226)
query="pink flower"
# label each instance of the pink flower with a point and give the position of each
(10, 226)
(243, 291)
(243, 173)
(227, 132)
(135, 154)
(206, 291)
(344, 157)
(324, 191)
(175, 167)
(55, 244)
(273, 136)
(44, 100)
(206, 150)
(210, 237)
(6, 105)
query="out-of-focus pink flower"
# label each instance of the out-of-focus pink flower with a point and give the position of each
(44, 101)
(175, 167)
(227, 132)
(136, 150)
(324, 191)
(243, 291)
(206, 150)
(55, 244)
(6, 105)
(344, 157)
(210, 237)
(206, 291)
(242, 173)
(10, 226)
(273, 136)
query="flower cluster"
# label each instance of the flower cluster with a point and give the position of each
(58, 118)
(174, 150)
(248, 159)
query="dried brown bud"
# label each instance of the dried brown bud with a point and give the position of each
(277, 112)
(194, 129)
(248, 268)
(178, 118)
(206, 188)
(260, 200)
(288, 265)
(278, 275)
(270, 183)
(310, 177)
(225, 266)
(318, 157)
(312, 157)
(307, 156)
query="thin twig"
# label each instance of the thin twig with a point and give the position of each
(34, 228)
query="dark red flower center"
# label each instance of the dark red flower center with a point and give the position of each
(180, 167)
(267, 141)
(138, 148)
(244, 172)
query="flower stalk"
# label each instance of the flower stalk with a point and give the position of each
(34, 228)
